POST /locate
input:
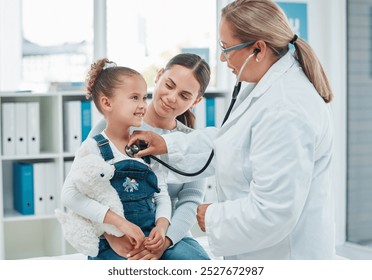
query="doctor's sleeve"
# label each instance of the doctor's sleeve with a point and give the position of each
(189, 152)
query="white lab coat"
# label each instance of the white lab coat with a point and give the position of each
(272, 166)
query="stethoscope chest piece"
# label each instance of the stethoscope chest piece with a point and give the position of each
(132, 150)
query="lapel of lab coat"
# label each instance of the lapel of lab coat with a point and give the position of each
(248, 94)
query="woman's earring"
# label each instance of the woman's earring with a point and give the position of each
(257, 60)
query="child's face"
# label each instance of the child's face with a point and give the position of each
(129, 102)
(175, 92)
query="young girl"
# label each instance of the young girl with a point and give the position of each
(178, 88)
(120, 94)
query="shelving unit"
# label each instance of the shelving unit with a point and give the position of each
(27, 236)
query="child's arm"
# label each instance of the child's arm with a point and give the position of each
(162, 199)
(134, 232)
(81, 204)
(155, 241)
(122, 245)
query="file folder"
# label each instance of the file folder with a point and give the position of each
(67, 167)
(72, 125)
(39, 188)
(51, 187)
(23, 189)
(33, 127)
(8, 128)
(200, 114)
(210, 111)
(86, 119)
(220, 110)
(21, 128)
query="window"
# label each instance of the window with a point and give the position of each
(58, 37)
(145, 34)
(57, 41)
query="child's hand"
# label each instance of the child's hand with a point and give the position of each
(133, 232)
(155, 242)
(121, 245)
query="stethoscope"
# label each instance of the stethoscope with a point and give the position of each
(134, 149)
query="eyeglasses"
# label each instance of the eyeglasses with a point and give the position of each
(234, 48)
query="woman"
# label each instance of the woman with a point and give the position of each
(273, 155)
(178, 88)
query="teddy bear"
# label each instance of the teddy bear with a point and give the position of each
(91, 175)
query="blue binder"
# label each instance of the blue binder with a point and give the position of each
(86, 119)
(23, 188)
(210, 104)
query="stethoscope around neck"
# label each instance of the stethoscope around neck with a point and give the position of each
(134, 149)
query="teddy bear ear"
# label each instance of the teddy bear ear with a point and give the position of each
(82, 152)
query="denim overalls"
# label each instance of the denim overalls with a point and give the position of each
(136, 184)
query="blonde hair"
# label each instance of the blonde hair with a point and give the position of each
(103, 78)
(264, 20)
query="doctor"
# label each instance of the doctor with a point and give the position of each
(273, 155)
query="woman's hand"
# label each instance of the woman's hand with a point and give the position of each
(200, 215)
(156, 240)
(147, 255)
(155, 143)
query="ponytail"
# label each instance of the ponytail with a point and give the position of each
(187, 118)
(313, 69)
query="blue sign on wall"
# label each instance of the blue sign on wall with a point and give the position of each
(297, 16)
(202, 52)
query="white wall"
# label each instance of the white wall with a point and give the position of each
(327, 35)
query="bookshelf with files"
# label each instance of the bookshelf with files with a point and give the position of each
(32, 171)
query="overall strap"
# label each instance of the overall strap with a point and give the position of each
(104, 147)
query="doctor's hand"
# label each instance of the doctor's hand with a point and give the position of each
(155, 143)
(200, 215)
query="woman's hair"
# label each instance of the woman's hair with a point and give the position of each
(103, 78)
(202, 73)
(264, 20)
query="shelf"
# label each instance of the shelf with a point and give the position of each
(31, 157)
(11, 215)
